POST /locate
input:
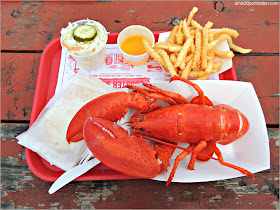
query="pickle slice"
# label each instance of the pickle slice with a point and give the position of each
(84, 33)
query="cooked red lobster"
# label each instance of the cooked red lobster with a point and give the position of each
(198, 122)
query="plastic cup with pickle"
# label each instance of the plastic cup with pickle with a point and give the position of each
(85, 40)
(130, 43)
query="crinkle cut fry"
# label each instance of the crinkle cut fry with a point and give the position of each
(184, 51)
(186, 29)
(169, 47)
(192, 13)
(235, 47)
(187, 70)
(173, 58)
(224, 30)
(153, 53)
(196, 24)
(197, 49)
(223, 54)
(231, 45)
(205, 38)
(209, 67)
(179, 35)
(167, 61)
(171, 38)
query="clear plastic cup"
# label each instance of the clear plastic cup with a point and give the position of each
(135, 30)
(94, 60)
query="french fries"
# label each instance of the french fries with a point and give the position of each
(179, 35)
(153, 53)
(190, 50)
(172, 35)
(204, 51)
(197, 54)
(184, 51)
(169, 65)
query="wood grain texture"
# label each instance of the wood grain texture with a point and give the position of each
(22, 189)
(18, 83)
(263, 73)
(32, 25)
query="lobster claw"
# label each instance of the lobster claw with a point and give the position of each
(112, 107)
(114, 147)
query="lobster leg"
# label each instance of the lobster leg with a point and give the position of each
(164, 154)
(177, 160)
(208, 151)
(203, 155)
(221, 160)
(197, 148)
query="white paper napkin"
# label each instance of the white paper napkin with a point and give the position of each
(47, 135)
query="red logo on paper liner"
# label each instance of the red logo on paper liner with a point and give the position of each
(114, 58)
(152, 68)
(150, 59)
(112, 61)
(120, 59)
(125, 67)
(109, 60)
(71, 60)
(121, 83)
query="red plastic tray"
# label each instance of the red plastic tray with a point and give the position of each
(45, 89)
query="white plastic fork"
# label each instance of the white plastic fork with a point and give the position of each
(82, 167)
(86, 155)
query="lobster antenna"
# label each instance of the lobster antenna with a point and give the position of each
(195, 86)
(144, 108)
(174, 145)
(152, 93)
(179, 99)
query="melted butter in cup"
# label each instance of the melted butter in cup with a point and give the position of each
(134, 32)
(94, 53)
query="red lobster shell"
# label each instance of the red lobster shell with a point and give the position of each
(199, 123)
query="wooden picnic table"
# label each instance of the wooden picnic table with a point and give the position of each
(27, 27)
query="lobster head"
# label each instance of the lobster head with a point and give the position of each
(233, 124)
